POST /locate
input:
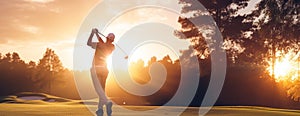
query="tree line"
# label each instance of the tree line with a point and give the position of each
(244, 85)
(46, 76)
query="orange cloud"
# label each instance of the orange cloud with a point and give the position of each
(28, 25)
(40, 1)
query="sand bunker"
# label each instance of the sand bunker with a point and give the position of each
(32, 98)
(28, 97)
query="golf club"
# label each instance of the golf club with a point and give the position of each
(126, 57)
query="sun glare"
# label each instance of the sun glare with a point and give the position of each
(145, 52)
(109, 62)
(286, 66)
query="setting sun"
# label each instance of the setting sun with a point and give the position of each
(286, 67)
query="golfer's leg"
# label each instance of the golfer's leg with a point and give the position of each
(102, 96)
(98, 90)
(106, 102)
(96, 83)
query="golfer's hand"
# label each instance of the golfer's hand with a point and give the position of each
(93, 30)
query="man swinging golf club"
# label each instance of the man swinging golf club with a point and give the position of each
(99, 70)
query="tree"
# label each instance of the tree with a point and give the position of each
(31, 65)
(17, 76)
(48, 70)
(152, 60)
(225, 13)
(7, 57)
(277, 27)
(14, 75)
(16, 58)
(276, 33)
(138, 70)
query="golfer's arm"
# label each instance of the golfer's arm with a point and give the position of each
(99, 38)
(89, 42)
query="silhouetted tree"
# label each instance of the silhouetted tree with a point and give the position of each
(140, 73)
(273, 25)
(14, 75)
(152, 60)
(224, 12)
(138, 70)
(276, 28)
(48, 70)
(17, 76)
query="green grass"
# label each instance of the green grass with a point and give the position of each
(16, 106)
(55, 109)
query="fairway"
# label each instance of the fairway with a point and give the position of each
(81, 110)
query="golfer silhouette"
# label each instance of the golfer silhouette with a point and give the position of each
(99, 69)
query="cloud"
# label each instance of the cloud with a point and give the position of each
(27, 25)
(42, 20)
(39, 1)
(30, 29)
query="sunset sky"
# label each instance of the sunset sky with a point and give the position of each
(28, 27)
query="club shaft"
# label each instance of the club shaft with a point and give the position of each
(121, 49)
(102, 34)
